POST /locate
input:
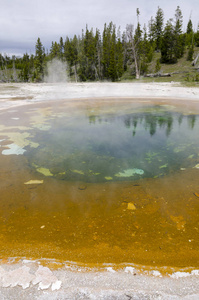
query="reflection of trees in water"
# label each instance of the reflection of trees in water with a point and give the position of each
(151, 121)
(191, 121)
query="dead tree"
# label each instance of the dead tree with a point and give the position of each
(134, 48)
(194, 62)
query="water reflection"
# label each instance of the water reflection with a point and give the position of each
(151, 122)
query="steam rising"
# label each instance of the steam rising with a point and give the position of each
(56, 71)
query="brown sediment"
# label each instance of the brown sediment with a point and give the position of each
(57, 220)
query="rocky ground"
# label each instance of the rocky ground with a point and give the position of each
(13, 94)
(31, 280)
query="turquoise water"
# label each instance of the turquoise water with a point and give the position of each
(151, 141)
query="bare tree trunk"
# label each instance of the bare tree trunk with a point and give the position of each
(130, 34)
(195, 60)
(75, 72)
(137, 71)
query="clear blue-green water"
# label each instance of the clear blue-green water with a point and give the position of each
(149, 142)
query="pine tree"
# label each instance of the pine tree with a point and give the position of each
(61, 48)
(158, 27)
(106, 47)
(190, 53)
(68, 54)
(147, 47)
(119, 56)
(71, 55)
(75, 45)
(39, 61)
(125, 50)
(112, 71)
(81, 59)
(98, 54)
(168, 43)
(25, 70)
(189, 27)
(89, 52)
(151, 32)
(179, 38)
(55, 51)
(189, 34)
(157, 66)
(196, 37)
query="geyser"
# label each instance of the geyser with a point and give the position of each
(56, 71)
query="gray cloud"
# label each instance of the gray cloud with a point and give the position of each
(22, 21)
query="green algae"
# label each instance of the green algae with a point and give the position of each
(44, 171)
(22, 139)
(163, 166)
(108, 178)
(78, 172)
(34, 181)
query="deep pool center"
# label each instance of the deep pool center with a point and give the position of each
(99, 182)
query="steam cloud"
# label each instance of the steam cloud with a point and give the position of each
(56, 71)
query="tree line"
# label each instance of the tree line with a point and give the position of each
(93, 56)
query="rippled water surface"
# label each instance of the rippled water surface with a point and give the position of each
(101, 181)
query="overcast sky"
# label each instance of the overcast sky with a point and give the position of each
(23, 21)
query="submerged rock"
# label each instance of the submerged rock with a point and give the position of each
(131, 206)
(82, 187)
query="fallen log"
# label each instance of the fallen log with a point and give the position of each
(158, 75)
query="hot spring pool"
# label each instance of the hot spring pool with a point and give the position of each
(107, 181)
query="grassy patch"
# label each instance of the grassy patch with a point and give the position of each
(182, 71)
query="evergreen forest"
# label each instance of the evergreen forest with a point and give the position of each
(141, 50)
